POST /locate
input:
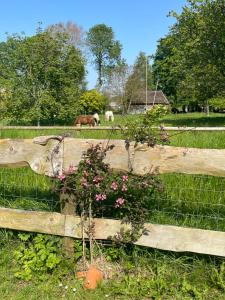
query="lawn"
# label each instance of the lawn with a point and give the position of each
(188, 119)
(196, 201)
(196, 120)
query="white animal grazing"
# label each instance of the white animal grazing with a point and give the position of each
(109, 116)
(96, 117)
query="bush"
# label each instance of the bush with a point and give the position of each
(92, 101)
(218, 104)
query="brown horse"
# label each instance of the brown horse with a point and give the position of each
(85, 120)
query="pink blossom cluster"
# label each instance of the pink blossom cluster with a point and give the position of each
(114, 186)
(100, 197)
(119, 202)
(89, 162)
(124, 188)
(97, 179)
(125, 178)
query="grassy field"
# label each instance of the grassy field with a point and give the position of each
(189, 119)
(196, 201)
(195, 120)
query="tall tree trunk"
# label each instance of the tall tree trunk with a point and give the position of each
(99, 72)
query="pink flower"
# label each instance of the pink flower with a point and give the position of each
(89, 162)
(100, 197)
(124, 188)
(119, 202)
(61, 177)
(125, 178)
(114, 186)
(103, 196)
(97, 179)
(71, 169)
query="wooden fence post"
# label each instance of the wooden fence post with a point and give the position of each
(68, 207)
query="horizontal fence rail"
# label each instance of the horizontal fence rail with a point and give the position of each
(50, 155)
(109, 128)
(164, 237)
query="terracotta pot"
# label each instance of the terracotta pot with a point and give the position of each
(92, 277)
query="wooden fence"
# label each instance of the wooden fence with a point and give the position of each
(50, 155)
(107, 128)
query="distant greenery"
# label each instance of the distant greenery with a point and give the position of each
(92, 101)
(136, 82)
(217, 103)
(190, 59)
(106, 51)
(41, 79)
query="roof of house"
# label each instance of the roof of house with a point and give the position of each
(153, 97)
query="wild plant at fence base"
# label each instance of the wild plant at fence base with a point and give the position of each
(39, 255)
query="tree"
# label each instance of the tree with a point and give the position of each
(116, 84)
(104, 48)
(44, 75)
(74, 33)
(92, 101)
(136, 82)
(190, 60)
(218, 104)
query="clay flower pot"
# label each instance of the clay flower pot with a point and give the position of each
(92, 277)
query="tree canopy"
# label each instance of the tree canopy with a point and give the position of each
(92, 101)
(190, 60)
(104, 48)
(136, 82)
(44, 77)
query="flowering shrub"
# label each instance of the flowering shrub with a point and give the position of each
(110, 194)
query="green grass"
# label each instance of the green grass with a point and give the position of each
(143, 274)
(189, 119)
(195, 120)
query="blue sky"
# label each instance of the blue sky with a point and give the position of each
(138, 25)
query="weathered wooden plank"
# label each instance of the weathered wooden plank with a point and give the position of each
(164, 237)
(43, 158)
(35, 221)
